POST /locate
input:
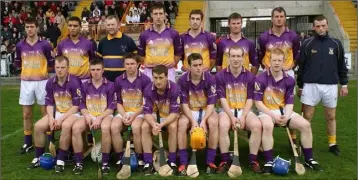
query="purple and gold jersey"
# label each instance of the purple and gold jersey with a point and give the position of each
(159, 49)
(288, 42)
(34, 60)
(274, 94)
(236, 90)
(97, 100)
(130, 94)
(224, 46)
(200, 95)
(204, 44)
(79, 55)
(167, 103)
(65, 96)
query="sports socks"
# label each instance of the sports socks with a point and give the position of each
(79, 158)
(268, 155)
(148, 158)
(172, 157)
(331, 140)
(210, 155)
(308, 153)
(61, 155)
(39, 151)
(252, 157)
(183, 157)
(225, 157)
(105, 158)
(28, 137)
(119, 156)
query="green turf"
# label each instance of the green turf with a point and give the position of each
(13, 166)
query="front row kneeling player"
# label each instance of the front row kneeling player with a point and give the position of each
(274, 89)
(97, 107)
(161, 95)
(63, 92)
(235, 86)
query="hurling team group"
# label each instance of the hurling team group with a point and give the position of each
(103, 89)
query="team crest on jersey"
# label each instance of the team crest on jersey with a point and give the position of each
(228, 86)
(88, 97)
(56, 94)
(331, 52)
(213, 89)
(227, 50)
(139, 92)
(123, 48)
(313, 51)
(186, 46)
(103, 97)
(65, 51)
(178, 100)
(201, 45)
(214, 45)
(115, 96)
(78, 92)
(150, 42)
(257, 86)
(167, 41)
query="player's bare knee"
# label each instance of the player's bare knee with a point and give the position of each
(256, 127)
(66, 126)
(173, 127)
(136, 129)
(145, 128)
(213, 123)
(183, 124)
(116, 128)
(267, 125)
(330, 116)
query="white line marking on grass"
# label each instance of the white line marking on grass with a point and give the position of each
(11, 134)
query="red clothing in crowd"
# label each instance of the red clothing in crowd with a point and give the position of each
(108, 3)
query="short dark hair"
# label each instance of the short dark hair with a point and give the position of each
(197, 11)
(113, 17)
(320, 18)
(61, 59)
(75, 18)
(157, 5)
(235, 47)
(278, 9)
(132, 56)
(234, 16)
(97, 60)
(31, 21)
(193, 57)
(160, 69)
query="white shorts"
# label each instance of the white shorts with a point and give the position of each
(313, 93)
(129, 113)
(239, 112)
(31, 89)
(171, 73)
(59, 114)
(277, 111)
(195, 115)
(94, 118)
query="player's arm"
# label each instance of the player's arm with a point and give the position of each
(91, 51)
(258, 97)
(177, 43)
(296, 51)
(142, 46)
(253, 58)
(118, 89)
(250, 94)
(50, 60)
(184, 96)
(219, 57)
(342, 66)
(212, 97)
(289, 97)
(220, 88)
(18, 59)
(148, 108)
(174, 108)
(301, 66)
(212, 50)
(49, 100)
(111, 102)
(262, 50)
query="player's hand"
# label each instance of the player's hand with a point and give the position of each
(277, 118)
(154, 132)
(88, 120)
(96, 124)
(344, 91)
(203, 125)
(130, 120)
(282, 121)
(299, 92)
(58, 124)
(242, 120)
(54, 53)
(194, 124)
(52, 123)
(234, 120)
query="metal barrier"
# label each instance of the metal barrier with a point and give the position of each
(5, 62)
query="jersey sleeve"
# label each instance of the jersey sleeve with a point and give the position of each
(220, 85)
(211, 90)
(174, 101)
(142, 44)
(76, 93)
(259, 89)
(111, 100)
(289, 96)
(250, 85)
(49, 99)
(148, 101)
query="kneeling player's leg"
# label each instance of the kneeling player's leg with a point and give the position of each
(65, 138)
(41, 127)
(301, 124)
(106, 140)
(172, 143)
(137, 140)
(213, 125)
(147, 142)
(117, 140)
(224, 139)
(78, 128)
(253, 124)
(183, 125)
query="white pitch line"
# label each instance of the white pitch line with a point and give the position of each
(11, 134)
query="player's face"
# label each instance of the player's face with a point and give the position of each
(320, 27)
(61, 69)
(160, 80)
(195, 21)
(235, 26)
(96, 71)
(31, 30)
(74, 28)
(278, 19)
(196, 67)
(158, 16)
(277, 62)
(112, 26)
(130, 65)
(236, 58)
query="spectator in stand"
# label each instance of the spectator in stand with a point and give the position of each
(143, 17)
(14, 13)
(112, 10)
(101, 28)
(121, 9)
(6, 33)
(23, 15)
(53, 7)
(53, 33)
(133, 8)
(141, 8)
(45, 7)
(14, 39)
(129, 17)
(108, 3)
(60, 20)
(85, 13)
(136, 17)
(96, 10)
(85, 26)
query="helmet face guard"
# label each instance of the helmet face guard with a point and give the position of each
(198, 138)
